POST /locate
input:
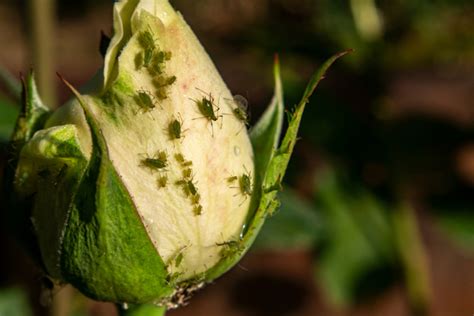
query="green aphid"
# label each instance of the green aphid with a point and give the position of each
(157, 63)
(188, 187)
(146, 40)
(179, 158)
(241, 115)
(161, 93)
(240, 112)
(187, 173)
(175, 128)
(245, 184)
(206, 108)
(162, 81)
(173, 277)
(183, 162)
(147, 57)
(187, 163)
(196, 199)
(231, 248)
(157, 162)
(162, 182)
(197, 210)
(191, 187)
(145, 101)
(178, 260)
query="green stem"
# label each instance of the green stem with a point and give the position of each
(414, 258)
(61, 304)
(42, 17)
(141, 310)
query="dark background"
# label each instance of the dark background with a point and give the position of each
(377, 213)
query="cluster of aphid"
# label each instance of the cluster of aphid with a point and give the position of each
(186, 182)
(182, 295)
(231, 248)
(159, 162)
(210, 110)
(153, 60)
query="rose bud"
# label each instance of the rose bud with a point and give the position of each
(150, 186)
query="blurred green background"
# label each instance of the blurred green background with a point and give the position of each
(377, 213)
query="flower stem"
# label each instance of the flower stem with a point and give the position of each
(141, 310)
(42, 17)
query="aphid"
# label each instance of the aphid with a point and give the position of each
(241, 115)
(230, 248)
(232, 179)
(208, 109)
(147, 56)
(171, 280)
(241, 111)
(197, 210)
(162, 182)
(195, 199)
(188, 187)
(161, 93)
(157, 162)
(184, 163)
(187, 173)
(239, 107)
(145, 101)
(179, 158)
(175, 128)
(146, 40)
(157, 62)
(162, 81)
(178, 260)
(241, 102)
(191, 187)
(245, 184)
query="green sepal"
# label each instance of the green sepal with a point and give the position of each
(50, 167)
(266, 133)
(276, 168)
(106, 252)
(32, 116)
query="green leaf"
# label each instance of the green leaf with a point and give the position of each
(297, 225)
(265, 191)
(358, 242)
(14, 302)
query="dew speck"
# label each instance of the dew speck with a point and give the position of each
(236, 150)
